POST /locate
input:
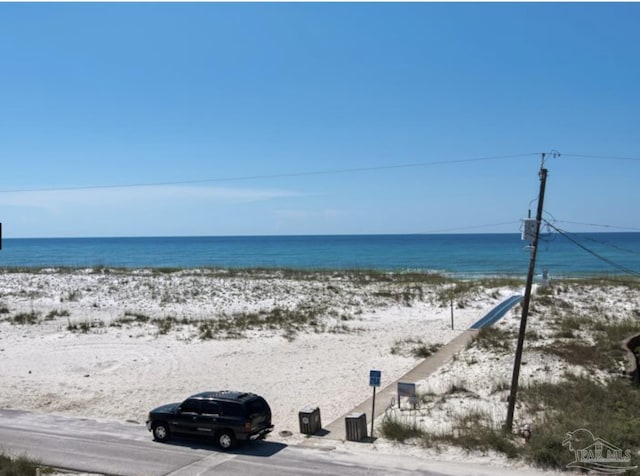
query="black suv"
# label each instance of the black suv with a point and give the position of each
(225, 416)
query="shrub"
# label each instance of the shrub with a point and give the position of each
(415, 347)
(131, 317)
(21, 466)
(609, 410)
(164, 325)
(73, 295)
(83, 326)
(57, 313)
(425, 350)
(459, 386)
(26, 318)
(472, 431)
(393, 429)
(206, 332)
(495, 339)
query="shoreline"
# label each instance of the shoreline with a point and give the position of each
(300, 271)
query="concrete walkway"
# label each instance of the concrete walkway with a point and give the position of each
(336, 430)
(498, 312)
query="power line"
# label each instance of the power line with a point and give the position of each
(600, 226)
(305, 174)
(600, 242)
(601, 157)
(611, 245)
(593, 253)
(271, 176)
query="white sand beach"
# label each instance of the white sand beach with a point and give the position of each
(112, 345)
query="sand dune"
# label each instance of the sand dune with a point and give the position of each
(113, 344)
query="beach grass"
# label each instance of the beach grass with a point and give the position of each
(20, 466)
(357, 290)
(31, 317)
(414, 347)
(84, 326)
(495, 339)
(51, 315)
(361, 289)
(288, 322)
(594, 393)
(471, 431)
(610, 410)
(570, 323)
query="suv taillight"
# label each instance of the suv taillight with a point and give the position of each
(247, 426)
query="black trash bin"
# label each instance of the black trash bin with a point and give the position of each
(309, 418)
(356, 426)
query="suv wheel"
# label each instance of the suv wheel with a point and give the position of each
(226, 440)
(161, 431)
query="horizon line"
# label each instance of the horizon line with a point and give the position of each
(296, 235)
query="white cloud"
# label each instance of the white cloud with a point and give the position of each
(157, 210)
(60, 200)
(309, 214)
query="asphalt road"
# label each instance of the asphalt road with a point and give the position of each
(114, 448)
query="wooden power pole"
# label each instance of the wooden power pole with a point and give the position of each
(525, 302)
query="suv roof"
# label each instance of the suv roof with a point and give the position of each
(224, 395)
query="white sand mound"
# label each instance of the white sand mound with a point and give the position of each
(96, 347)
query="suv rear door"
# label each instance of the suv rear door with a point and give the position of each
(207, 421)
(259, 413)
(232, 415)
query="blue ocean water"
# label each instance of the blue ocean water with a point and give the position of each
(456, 254)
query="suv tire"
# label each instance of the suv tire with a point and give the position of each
(161, 432)
(226, 439)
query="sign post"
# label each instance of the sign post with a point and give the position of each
(374, 381)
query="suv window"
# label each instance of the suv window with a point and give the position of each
(210, 408)
(257, 405)
(231, 409)
(190, 406)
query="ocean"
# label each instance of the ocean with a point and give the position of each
(461, 255)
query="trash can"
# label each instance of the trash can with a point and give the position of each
(309, 418)
(356, 424)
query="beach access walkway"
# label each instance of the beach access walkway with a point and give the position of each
(336, 430)
(497, 312)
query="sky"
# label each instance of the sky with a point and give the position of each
(176, 119)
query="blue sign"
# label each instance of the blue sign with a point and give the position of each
(374, 378)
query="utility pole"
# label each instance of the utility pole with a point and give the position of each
(525, 303)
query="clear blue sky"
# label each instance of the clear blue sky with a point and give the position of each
(119, 94)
